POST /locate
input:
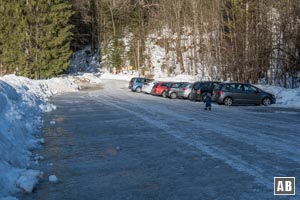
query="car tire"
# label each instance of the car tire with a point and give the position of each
(138, 89)
(266, 101)
(189, 96)
(173, 95)
(227, 101)
(164, 94)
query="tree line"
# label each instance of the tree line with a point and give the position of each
(238, 40)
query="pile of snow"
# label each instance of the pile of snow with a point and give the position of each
(28, 180)
(284, 97)
(22, 101)
(85, 78)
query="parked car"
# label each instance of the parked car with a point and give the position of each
(201, 88)
(240, 93)
(160, 88)
(147, 87)
(185, 91)
(136, 84)
(174, 89)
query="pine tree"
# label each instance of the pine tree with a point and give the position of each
(54, 38)
(50, 36)
(35, 37)
(12, 51)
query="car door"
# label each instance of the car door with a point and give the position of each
(252, 94)
(236, 92)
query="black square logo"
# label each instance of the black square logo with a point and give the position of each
(284, 185)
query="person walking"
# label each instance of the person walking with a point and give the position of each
(207, 101)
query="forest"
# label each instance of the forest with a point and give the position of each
(237, 40)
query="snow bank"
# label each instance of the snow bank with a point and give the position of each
(284, 97)
(22, 101)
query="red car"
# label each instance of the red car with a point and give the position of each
(160, 88)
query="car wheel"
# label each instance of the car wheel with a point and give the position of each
(189, 96)
(266, 101)
(173, 95)
(227, 101)
(138, 89)
(164, 94)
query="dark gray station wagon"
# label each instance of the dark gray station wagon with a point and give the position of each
(241, 93)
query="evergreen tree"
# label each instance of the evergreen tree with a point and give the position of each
(35, 37)
(12, 51)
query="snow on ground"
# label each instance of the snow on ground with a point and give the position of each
(22, 102)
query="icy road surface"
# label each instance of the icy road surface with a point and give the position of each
(110, 143)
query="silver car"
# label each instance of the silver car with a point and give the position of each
(174, 89)
(241, 93)
(185, 91)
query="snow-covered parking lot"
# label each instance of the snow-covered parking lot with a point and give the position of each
(111, 143)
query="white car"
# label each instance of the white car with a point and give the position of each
(147, 87)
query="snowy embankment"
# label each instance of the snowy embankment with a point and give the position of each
(22, 102)
(284, 97)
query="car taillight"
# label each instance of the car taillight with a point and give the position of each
(131, 83)
(199, 91)
(183, 89)
(220, 92)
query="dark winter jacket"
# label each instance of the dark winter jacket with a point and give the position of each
(207, 100)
